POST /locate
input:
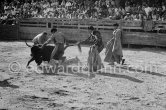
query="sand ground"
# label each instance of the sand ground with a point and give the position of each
(139, 85)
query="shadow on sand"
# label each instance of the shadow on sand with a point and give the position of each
(86, 74)
(54, 74)
(67, 72)
(83, 75)
(143, 71)
(121, 76)
(5, 83)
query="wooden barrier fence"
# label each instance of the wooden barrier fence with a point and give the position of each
(9, 32)
(134, 32)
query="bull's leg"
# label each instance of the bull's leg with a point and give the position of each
(38, 61)
(32, 59)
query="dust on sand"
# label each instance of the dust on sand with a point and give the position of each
(139, 85)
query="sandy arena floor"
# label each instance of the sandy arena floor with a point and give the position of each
(139, 85)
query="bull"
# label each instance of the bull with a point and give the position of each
(39, 54)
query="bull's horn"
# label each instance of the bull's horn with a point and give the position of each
(27, 44)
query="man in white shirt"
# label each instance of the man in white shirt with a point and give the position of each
(40, 38)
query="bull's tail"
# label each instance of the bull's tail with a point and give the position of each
(27, 44)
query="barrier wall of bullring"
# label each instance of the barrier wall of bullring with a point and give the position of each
(9, 32)
(134, 32)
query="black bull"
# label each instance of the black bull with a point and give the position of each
(43, 54)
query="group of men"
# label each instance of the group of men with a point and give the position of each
(113, 48)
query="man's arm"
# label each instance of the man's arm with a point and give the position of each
(47, 42)
(86, 40)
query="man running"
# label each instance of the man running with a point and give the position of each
(58, 40)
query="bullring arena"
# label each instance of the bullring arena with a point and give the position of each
(139, 84)
(135, 88)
